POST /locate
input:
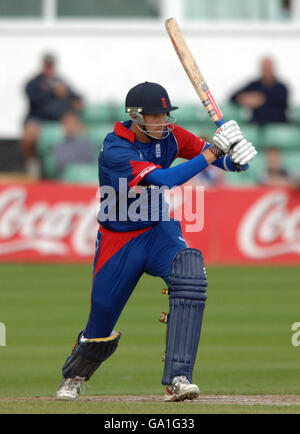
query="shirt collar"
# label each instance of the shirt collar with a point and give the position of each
(122, 130)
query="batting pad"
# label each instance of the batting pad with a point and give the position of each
(187, 289)
(88, 355)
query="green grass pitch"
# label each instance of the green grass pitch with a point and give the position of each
(245, 346)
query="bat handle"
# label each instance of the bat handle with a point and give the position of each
(220, 122)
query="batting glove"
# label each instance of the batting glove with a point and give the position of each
(226, 136)
(243, 152)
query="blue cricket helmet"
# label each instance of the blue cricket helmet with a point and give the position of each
(148, 98)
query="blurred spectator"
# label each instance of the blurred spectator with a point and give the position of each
(266, 97)
(50, 97)
(275, 174)
(286, 9)
(76, 147)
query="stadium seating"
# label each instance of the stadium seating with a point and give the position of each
(81, 174)
(273, 9)
(208, 10)
(97, 113)
(197, 9)
(235, 112)
(291, 161)
(119, 114)
(233, 10)
(250, 176)
(98, 133)
(188, 114)
(285, 136)
(294, 114)
(49, 166)
(100, 121)
(205, 130)
(51, 135)
(253, 133)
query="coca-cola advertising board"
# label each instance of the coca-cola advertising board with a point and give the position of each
(54, 222)
(47, 222)
(250, 226)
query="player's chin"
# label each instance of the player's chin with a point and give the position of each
(157, 134)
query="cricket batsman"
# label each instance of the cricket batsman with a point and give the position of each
(140, 152)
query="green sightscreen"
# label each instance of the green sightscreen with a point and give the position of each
(21, 8)
(103, 8)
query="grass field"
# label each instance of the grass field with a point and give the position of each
(245, 346)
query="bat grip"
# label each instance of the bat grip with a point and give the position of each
(220, 122)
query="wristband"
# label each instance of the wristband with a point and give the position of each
(216, 151)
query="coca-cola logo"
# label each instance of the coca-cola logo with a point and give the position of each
(47, 229)
(269, 228)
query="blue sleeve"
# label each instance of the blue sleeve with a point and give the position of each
(177, 175)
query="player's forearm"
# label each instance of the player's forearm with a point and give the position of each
(220, 162)
(224, 162)
(209, 155)
(180, 174)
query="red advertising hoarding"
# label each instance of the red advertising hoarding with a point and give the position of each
(47, 222)
(253, 225)
(54, 222)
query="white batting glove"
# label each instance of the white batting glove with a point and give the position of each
(243, 152)
(226, 136)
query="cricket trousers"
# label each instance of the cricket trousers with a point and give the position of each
(120, 260)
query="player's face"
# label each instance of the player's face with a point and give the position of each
(156, 124)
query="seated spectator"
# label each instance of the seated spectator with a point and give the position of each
(275, 174)
(76, 147)
(266, 97)
(286, 10)
(49, 97)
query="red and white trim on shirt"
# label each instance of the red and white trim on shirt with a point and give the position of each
(140, 170)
